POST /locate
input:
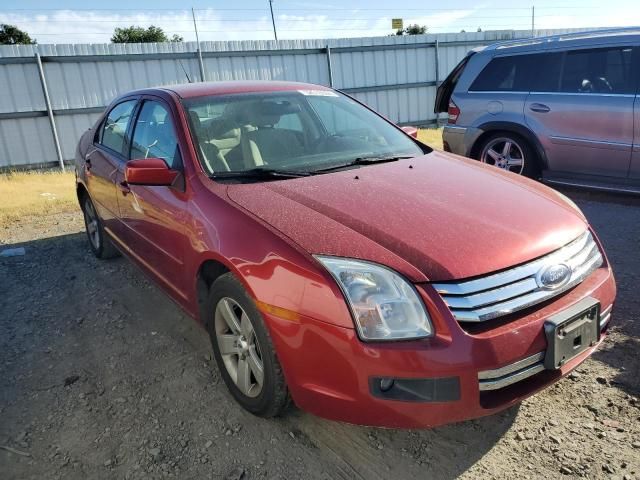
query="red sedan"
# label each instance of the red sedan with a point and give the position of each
(338, 262)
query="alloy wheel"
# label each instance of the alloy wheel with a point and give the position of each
(504, 153)
(239, 347)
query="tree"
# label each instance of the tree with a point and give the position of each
(12, 35)
(413, 30)
(135, 34)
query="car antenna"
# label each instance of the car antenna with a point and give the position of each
(185, 72)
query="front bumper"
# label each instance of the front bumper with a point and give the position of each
(329, 371)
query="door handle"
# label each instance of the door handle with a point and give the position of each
(539, 107)
(124, 188)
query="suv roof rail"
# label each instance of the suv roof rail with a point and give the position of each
(577, 35)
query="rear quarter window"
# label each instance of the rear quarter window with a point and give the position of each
(519, 73)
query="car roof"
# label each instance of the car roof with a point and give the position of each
(569, 40)
(190, 90)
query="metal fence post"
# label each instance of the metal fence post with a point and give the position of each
(200, 62)
(52, 121)
(329, 68)
(437, 61)
(437, 65)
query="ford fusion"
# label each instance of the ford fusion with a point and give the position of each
(337, 262)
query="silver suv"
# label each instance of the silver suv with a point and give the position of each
(562, 108)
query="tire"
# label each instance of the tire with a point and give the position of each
(99, 242)
(240, 347)
(519, 157)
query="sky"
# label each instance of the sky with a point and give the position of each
(77, 21)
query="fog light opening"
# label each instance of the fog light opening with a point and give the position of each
(386, 384)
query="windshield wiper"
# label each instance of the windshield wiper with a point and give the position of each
(261, 173)
(364, 161)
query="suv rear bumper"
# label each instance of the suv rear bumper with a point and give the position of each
(332, 374)
(459, 140)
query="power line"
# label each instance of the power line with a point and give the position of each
(399, 9)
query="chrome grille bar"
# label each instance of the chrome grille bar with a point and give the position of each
(510, 374)
(605, 316)
(506, 292)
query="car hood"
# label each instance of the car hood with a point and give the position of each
(437, 217)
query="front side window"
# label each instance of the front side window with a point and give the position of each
(114, 129)
(603, 70)
(304, 130)
(154, 135)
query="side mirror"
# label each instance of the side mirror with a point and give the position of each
(149, 171)
(411, 131)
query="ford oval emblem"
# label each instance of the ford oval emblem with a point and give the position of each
(553, 276)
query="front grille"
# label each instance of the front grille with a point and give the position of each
(511, 290)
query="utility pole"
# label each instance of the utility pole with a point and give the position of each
(200, 62)
(273, 21)
(533, 21)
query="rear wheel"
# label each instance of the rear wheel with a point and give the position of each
(243, 349)
(510, 152)
(100, 244)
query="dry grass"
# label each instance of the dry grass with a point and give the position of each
(431, 136)
(35, 193)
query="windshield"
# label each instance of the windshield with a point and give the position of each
(300, 131)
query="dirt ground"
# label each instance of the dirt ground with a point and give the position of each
(101, 376)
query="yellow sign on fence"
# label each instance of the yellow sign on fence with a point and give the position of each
(396, 23)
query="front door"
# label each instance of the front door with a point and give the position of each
(585, 121)
(156, 216)
(103, 162)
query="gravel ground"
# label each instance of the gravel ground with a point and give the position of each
(103, 377)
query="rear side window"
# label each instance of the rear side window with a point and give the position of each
(114, 128)
(507, 74)
(603, 70)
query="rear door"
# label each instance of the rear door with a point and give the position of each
(499, 91)
(156, 216)
(105, 160)
(581, 109)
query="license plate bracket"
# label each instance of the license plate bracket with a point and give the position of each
(571, 332)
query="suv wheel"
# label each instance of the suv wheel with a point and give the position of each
(243, 349)
(510, 152)
(100, 244)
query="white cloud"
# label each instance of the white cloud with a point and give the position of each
(68, 26)
(87, 26)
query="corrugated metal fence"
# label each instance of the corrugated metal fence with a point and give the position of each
(395, 75)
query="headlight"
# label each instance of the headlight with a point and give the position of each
(384, 305)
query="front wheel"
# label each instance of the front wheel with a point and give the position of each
(509, 152)
(100, 244)
(243, 349)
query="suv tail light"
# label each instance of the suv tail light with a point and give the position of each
(453, 112)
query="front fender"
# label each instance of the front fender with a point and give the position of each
(277, 274)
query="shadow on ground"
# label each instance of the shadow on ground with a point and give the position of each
(103, 376)
(616, 220)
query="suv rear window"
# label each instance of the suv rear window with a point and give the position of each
(520, 73)
(505, 74)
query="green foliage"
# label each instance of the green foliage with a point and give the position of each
(12, 35)
(134, 34)
(413, 30)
